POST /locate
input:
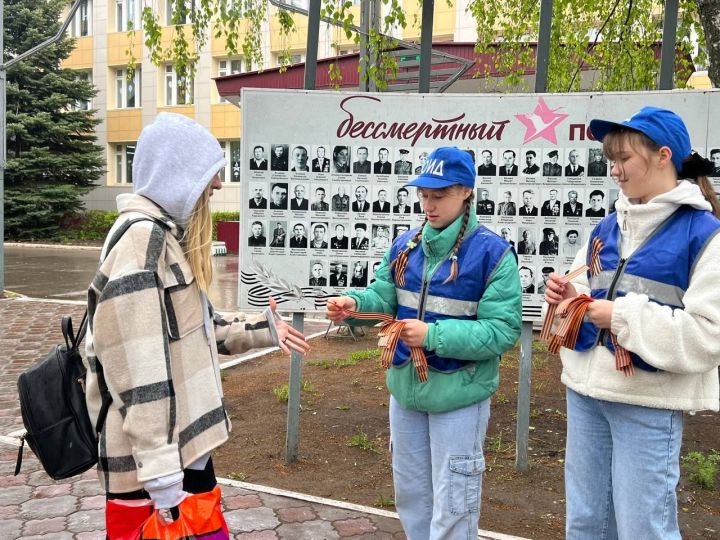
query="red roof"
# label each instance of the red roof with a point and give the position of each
(294, 75)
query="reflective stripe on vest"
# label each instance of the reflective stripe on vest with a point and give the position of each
(660, 268)
(432, 300)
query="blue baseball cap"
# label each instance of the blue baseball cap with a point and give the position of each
(663, 127)
(444, 167)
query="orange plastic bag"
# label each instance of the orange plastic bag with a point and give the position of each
(200, 518)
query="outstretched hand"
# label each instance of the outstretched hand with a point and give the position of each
(288, 337)
(337, 307)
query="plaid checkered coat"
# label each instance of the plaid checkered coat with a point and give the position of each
(158, 354)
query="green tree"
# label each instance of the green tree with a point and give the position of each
(52, 158)
(615, 39)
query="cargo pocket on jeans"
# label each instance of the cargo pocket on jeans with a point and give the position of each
(465, 481)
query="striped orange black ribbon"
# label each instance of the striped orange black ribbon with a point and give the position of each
(567, 318)
(389, 336)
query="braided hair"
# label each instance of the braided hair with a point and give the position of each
(401, 261)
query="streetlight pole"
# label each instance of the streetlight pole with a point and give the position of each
(4, 66)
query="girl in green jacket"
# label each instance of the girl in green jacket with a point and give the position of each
(455, 286)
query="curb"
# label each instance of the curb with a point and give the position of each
(489, 535)
(51, 246)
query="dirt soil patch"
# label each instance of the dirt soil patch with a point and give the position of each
(343, 448)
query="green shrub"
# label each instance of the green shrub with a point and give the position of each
(223, 216)
(92, 225)
(702, 469)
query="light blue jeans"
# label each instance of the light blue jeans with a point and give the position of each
(621, 470)
(438, 464)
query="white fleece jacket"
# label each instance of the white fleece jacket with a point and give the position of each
(684, 344)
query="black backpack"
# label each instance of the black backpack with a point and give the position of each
(52, 403)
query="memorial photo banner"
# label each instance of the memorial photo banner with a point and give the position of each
(323, 177)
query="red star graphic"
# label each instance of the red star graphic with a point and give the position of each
(541, 122)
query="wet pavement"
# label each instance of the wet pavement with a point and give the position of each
(64, 273)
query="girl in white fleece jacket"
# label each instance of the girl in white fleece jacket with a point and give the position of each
(654, 285)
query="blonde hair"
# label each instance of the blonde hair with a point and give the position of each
(197, 241)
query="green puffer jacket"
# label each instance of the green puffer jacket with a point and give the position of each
(496, 329)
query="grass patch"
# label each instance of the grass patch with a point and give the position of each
(702, 469)
(384, 502)
(282, 392)
(239, 476)
(361, 441)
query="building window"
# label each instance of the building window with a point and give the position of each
(229, 67)
(124, 154)
(127, 91)
(293, 59)
(82, 21)
(127, 15)
(178, 90)
(184, 9)
(84, 105)
(231, 172)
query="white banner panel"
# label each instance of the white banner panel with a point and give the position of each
(323, 175)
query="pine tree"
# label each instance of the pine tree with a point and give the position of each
(52, 158)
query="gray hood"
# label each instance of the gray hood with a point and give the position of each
(175, 160)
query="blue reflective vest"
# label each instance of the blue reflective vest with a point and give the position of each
(430, 300)
(661, 267)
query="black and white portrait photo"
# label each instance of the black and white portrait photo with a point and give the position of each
(257, 236)
(361, 165)
(340, 239)
(299, 236)
(551, 167)
(338, 274)
(279, 234)
(403, 163)
(319, 236)
(381, 205)
(597, 164)
(360, 204)
(317, 274)
(258, 160)
(382, 165)
(341, 159)
(300, 159)
(319, 203)
(279, 157)
(508, 166)
(572, 207)
(320, 162)
(488, 163)
(359, 274)
(575, 165)
(551, 205)
(278, 196)
(257, 196)
(299, 200)
(360, 240)
(402, 198)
